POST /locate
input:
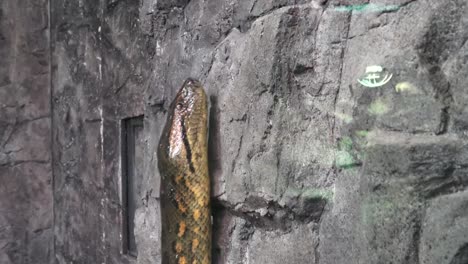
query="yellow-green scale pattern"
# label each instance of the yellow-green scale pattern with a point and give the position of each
(185, 182)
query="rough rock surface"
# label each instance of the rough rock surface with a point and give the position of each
(308, 165)
(26, 203)
(97, 81)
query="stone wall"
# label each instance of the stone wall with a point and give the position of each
(26, 203)
(307, 164)
(97, 81)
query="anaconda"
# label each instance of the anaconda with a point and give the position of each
(185, 183)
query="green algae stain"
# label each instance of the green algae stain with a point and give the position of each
(378, 107)
(344, 155)
(317, 193)
(367, 7)
(362, 133)
(346, 143)
(344, 159)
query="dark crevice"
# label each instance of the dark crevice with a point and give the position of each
(156, 104)
(245, 24)
(461, 257)
(412, 253)
(233, 166)
(221, 234)
(270, 215)
(167, 5)
(442, 188)
(287, 35)
(123, 84)
(207, 72)
(441, 40)
(224, 228)
(278, 165)
(242, 119)
(214, 144)
(20, 162)
(302, 69)
(446, 183)
(342, 56)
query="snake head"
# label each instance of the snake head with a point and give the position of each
(189, 95)
(187, 116)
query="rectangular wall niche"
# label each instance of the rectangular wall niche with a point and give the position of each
(132, 179)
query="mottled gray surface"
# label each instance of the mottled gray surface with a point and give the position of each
(290, 119)
(308, 166)
(97, 80)
(26, 204)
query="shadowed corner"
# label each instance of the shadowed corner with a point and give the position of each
(214, 146)
(461, 256)
(214, 168)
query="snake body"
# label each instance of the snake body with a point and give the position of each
(185, 183)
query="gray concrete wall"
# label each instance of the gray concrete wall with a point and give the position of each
(26, 204)
(97, 80)
(308, 165)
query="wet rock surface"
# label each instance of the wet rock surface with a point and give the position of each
(308, 164)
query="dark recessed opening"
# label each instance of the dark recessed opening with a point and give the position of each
(132, 179)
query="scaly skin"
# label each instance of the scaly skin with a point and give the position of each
(185, 183)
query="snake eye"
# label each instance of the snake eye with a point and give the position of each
(180, 106)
